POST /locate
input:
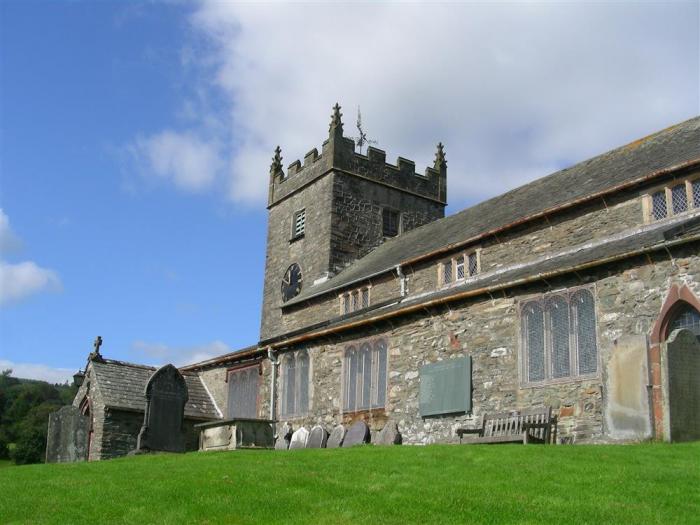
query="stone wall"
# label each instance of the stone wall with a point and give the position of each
(610, 406)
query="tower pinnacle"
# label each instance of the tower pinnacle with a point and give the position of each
(276, 165)
(336, 127)
(440, 161)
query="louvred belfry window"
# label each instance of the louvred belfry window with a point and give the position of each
(559, 337)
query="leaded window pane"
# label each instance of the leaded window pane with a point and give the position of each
(686, 317)
(365, 297)
(351, 379)
(679, 198)
(303, 365)
(380, 359)
(534, 341)
(243, 393)
(447, 272)
(346, 303)
(658, 205)
(558, 314)
(473, 264)
(695, 185)
(582, 303)
(289, 384)
(366, 378)
(459, 264)
(355, 300)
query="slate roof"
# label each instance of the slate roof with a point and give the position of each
(122, 385)
(645, 239)
(663, 150)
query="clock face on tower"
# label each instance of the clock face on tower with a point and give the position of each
(291, 283)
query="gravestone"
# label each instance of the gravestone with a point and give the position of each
(299, 439)
(358, 434)
(67, 438)
(317, 438)
(336, 438)
(389, 435)
(283, 437)
(166, 394)
(683, 352)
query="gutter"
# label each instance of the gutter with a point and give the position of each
(479, 291)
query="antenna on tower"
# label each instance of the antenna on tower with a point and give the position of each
(362, 139)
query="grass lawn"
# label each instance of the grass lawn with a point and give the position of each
(650, 483)
(5, 463)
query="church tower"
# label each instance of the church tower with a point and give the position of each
(335, 208)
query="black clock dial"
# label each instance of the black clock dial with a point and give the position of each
(291, 283)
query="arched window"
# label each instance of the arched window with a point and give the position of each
(687, 317)
(583, 311)
(558, 315)
(365, 376)
(243, 392)
(559, 339)
(295, 378)
(534, 340)
(290, 377)
(303, 364)
(379, 357)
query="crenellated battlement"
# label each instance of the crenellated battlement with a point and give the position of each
(338, 153)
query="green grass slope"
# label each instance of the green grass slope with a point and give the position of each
(435, 484)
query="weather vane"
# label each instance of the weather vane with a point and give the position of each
(362, 139)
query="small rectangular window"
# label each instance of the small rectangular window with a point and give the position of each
(696, 193)
(299, 223)
(473, 264)
(346, 303)
(460, 267)
(679, 198)
(658, 205)
(365, 297)
(390, 222)
(447, 272)
(355, 300)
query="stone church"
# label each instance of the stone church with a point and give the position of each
(569, 292)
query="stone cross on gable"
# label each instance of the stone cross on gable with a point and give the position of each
(97, 344)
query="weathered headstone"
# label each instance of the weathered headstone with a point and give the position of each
(284, 435)
(336, 438)
(67, 438)
(299, 438)
(389, 435)
(166, 394)
(358, 434)
(684, 385)
(317, 438)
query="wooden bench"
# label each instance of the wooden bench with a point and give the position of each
(532, 425)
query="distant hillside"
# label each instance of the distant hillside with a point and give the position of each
(25, 405)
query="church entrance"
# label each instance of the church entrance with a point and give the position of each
(674, 367)
(683, 366)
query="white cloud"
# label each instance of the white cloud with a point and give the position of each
(23, 279)
(38, 371)
(182, 158)
(9, 242)
(19, 281)
(160, 354)
(515, 91)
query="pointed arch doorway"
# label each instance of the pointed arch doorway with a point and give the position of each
(674, 359)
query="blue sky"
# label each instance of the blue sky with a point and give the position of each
(135, 140)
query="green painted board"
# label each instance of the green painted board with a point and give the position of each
(446, 387)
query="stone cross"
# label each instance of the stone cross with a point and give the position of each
(97, 344)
